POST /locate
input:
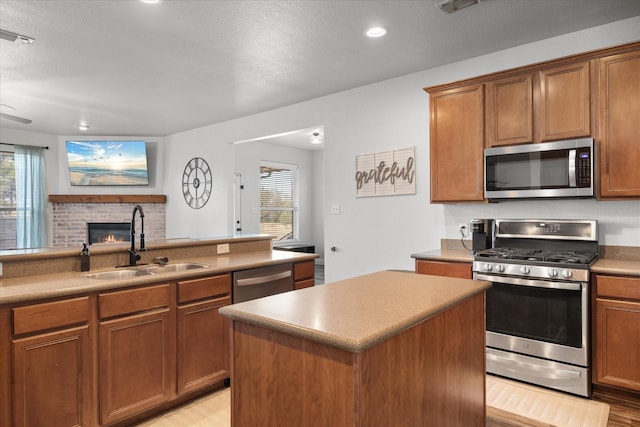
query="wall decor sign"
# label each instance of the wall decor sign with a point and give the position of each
(387, 173)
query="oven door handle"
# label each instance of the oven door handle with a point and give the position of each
(528, 282)
(572, 169)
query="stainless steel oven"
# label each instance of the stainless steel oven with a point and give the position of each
(537, 310)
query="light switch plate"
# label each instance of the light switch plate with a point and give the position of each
(223, 248)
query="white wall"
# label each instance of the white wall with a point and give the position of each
(381, 232)
(215, 218)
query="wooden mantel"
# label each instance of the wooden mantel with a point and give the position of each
(107, 198)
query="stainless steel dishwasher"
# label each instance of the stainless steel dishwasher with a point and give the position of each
(261, 282)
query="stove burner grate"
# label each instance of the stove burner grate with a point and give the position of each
(537, 255)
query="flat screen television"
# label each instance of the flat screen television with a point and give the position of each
(101, 163)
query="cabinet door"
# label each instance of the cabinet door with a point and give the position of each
(134, 364)
(565, 103)
(447, 269)
(456, 144)
(52, 379)
(203, 345)
(509, 111)
(619, 86)
(617, 334)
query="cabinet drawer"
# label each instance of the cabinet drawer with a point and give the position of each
(133, 300)
(303, 270)
(50, 315)
(192, 290)
(618, 287)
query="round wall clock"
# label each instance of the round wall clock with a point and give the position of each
(196, 183)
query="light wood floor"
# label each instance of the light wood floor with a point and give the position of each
(213, 410)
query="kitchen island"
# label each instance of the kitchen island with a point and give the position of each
(383, 349)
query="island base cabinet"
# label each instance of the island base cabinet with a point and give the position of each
(444, 268)
(430, 374)
(52, 379)
(134, 365)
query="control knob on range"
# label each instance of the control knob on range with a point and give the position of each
(567, 274)
(552, 272)
(487, 267)
(525, 270)
(500, 268)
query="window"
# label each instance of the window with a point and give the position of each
(278, 213)
(7, 201)
(23, 198)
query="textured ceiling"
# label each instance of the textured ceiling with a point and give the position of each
(129, 68)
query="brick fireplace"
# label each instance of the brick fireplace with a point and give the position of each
(71, 215)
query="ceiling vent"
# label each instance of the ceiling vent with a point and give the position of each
(451, 6)
(15, 118)
(15, 37)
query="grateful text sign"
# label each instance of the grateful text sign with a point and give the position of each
(386, 173)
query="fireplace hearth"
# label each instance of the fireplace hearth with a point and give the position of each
(108, 232)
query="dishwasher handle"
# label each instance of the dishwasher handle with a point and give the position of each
(259, 280)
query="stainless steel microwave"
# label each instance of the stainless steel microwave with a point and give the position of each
(545, 170)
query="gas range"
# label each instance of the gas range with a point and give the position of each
(542, 249)
(537, 309)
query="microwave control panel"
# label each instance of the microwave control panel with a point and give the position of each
(583, 167)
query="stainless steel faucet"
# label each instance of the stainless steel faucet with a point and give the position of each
(134, 256)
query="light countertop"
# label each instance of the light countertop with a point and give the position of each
(34, 288)
(610, 262)
(357, 313)
(455, 255)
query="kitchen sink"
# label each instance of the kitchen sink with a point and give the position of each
(172, 268)
(117, 274)
(144, 270)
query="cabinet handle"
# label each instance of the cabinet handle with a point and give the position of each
(263, 279)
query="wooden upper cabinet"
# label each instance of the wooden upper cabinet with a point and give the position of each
(456, 143)
(564, 105)
(509, 111)
(618, 116)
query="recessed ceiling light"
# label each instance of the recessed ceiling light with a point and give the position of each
(83, 126)
(150, 1)
(316, 138)
(376, 32)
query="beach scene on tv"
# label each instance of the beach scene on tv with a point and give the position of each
(107, 162)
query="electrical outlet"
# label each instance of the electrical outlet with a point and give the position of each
(223, 248)
(463, 229)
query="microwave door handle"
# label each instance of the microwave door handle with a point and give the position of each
(572, 168)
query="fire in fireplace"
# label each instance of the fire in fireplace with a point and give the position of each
(108, 232)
